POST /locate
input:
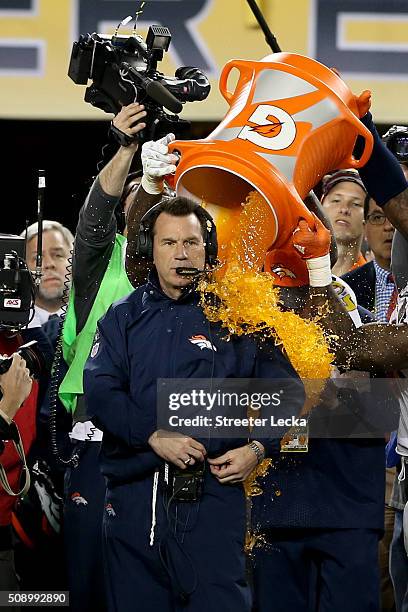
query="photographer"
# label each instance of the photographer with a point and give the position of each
(15, 386)
(16, 425)
(99, 279)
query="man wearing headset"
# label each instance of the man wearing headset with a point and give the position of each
(173, 554)
(99, 279)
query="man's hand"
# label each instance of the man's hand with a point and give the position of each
(128, 121)
(176, 448)
(313, 244)
(235, 465)
(157, 163)
(15, 385)
(363, 102)
(313, 241)
(112, 177)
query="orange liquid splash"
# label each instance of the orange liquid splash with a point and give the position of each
(248, 302)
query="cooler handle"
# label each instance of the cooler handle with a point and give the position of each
(246, 70)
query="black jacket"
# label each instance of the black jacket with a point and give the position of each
(362, 281)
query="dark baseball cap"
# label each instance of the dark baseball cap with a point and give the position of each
(331, 180)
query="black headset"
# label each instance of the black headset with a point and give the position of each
(144, 240)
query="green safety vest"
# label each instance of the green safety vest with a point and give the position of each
(76, 347)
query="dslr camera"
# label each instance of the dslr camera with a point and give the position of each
(33, 358)
(123, 69)
(396, 140)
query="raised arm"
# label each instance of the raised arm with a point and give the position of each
(385, 181)
(96, 228)
(97, 221)
(372, 347)
(157, 163)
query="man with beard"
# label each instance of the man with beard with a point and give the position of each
(57, 243)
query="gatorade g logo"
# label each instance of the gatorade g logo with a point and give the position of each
(273, 128)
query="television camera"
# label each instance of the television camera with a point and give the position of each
(123, 69)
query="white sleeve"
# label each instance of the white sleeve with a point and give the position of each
(348, 297)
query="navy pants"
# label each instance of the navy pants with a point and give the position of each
(192, 560)
(83, 510)
(317, 570)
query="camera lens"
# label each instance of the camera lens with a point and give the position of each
(400, 147)
(33, 358)
(5, 363)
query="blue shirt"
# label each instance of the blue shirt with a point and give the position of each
(384, 287)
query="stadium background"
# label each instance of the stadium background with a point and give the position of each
(44, 121)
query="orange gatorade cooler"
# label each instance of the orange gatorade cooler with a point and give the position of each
(291, 120)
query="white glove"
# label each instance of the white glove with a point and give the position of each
(319, 271)
(157, 163)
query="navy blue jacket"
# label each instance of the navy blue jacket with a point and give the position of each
(338, 483)
(362, 281)
(145, 336)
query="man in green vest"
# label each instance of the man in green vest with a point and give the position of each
(99, 279)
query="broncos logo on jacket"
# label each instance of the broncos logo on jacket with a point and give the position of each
(202, 342)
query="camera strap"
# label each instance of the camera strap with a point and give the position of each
(25, 474)
(120, 137)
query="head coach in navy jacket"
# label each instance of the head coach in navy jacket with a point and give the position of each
(169, 554)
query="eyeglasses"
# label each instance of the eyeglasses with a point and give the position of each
(376, 219)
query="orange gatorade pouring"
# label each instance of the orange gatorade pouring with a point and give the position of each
(291, 120)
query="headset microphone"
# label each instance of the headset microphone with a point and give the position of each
(144, 240)
(190, 271)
